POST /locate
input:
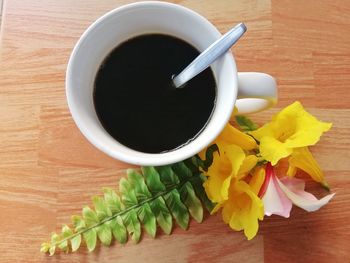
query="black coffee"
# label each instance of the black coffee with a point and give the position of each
(136, 103)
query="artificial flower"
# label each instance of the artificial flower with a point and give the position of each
(242, 209)
(289, 129)
(245, 199)
(278, 195)
(230, 161)
(301, 158)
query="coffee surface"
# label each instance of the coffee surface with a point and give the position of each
(136, 103)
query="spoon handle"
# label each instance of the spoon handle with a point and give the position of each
(208, 56)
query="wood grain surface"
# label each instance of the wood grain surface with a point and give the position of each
(48, 170)
(0, 11)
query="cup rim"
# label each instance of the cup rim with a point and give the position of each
(141, 158)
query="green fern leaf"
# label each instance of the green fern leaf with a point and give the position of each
(138, 184)
(52, 250)
(148, 219)
(162, 214)
(75, 242)
(191, 201)
(187, 193)
(158, 206)
(119, 230)
(104, 233)
(168, 177)
(101, 208)
(78, 223)
(153, 196)
(112, 200)
(128, 193)
(133, 225)
(152, 180)
(66, 232)
(200, 192)
(177, 208)
(90, 238)
(142, 193)
(55, 239)
(198, 180)
(90, 216)
(182, 171)
(45, 247)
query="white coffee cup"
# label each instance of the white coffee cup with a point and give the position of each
(250, 92)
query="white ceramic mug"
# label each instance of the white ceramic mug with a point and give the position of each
(250, 92)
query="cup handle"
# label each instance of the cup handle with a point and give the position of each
(256, 92)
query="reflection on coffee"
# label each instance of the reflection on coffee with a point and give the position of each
(137, 105)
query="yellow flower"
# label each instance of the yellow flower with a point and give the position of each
(288, 134)
(241, 206)
(291, 128)
(242, 209)
(231, 161)
(302, 158)
(231, 135)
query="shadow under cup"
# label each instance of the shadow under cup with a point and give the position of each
(120, 25)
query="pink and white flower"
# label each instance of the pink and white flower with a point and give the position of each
(278, 195)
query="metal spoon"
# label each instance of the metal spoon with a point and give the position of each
(208, 56)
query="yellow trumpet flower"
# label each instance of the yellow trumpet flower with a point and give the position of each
(288, 134)
(230, 162)
(289, 129)
(241, 207)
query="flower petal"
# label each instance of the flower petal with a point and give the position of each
(248, 164)
(302, 158)
(273, 150)
(301, 198)
(216, 208)
(228, 212)
(244, 208)
(231, 135)
(257, 180)
(235, 155)
(275, 201)
(216, 188)
(264, 131)
(219, 176)
(297, 186)
(224, 167)
(308, 128)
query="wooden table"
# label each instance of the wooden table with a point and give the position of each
(48, 170)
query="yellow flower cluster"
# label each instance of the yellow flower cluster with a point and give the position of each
(234, 179)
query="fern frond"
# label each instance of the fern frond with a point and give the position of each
(150, 197)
